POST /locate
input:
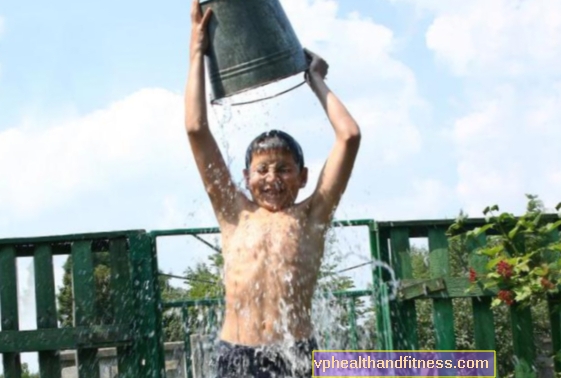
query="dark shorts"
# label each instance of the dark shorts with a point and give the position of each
(241, 361)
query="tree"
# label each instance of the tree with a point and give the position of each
(103, 303)
(25, 373)
(65, 297)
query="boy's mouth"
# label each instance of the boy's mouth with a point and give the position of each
(271, 193)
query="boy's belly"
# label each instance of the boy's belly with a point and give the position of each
(268, 304)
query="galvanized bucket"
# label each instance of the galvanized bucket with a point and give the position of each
(252, 44)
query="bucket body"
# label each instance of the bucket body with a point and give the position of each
(252, 43)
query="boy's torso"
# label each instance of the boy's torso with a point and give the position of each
(271, 264)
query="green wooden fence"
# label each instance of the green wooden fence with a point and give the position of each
(136, 332)
(398, 320)
(214, 305)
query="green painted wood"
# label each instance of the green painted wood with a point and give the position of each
(122, 299)
(148, 323)
(483, 319)
(443, 311)
(87, 237)
(9, 306)
(45, 299)
(521, 323)
(84, 304)
(51, 339)
(554, 309)
(212, 319)
(158, 330)
(420, 228)
(404, 314)
(522, 335)
(351, 308)
(379, 252)
(187, 341)
(454, 287)
(424, 288)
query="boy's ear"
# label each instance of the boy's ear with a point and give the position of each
(246, 178)
(303, 177)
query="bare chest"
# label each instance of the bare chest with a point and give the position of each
(275, 239)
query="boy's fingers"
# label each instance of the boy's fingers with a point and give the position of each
(195, 8)
(206, 17)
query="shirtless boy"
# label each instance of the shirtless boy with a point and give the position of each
(272, 246)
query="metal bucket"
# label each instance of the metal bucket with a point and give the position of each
(252, 44)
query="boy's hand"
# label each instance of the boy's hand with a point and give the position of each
(199, 35)
(317, 66)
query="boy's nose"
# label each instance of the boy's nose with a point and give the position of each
(271, 177)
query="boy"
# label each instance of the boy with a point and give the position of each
(272, 247)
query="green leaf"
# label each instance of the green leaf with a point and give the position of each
(522, 293)
(540, 271)
(492, 263)
(480, 230)
(554, 226)
(513, 232)
(558, 207)
(491, 252)
(489, 285)
(486, 210)
(495, 302)
(506, 217)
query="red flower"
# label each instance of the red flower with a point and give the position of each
(504, 269)
(506, 296)
(472, 275)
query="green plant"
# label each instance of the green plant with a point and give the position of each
(523, 254)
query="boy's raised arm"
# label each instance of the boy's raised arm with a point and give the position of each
(337, 170)
(210, 162)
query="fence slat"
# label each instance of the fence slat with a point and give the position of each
(187, 341)
(150, 350)
(554, 309)
(404, 313)
(122, 300)
(443, 312)
(483, 319)
(522, 335)
(45, 299)
(379, 252)
(9, 304)
(521, 325)
(351, 310)
(84, 304)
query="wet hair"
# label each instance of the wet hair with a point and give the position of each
(272, 140)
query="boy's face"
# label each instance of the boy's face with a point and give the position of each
(274, 179)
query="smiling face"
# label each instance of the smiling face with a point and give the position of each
(274, 179)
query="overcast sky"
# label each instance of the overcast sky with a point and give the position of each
(458, 103)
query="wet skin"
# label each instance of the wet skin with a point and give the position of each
(272, 256)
